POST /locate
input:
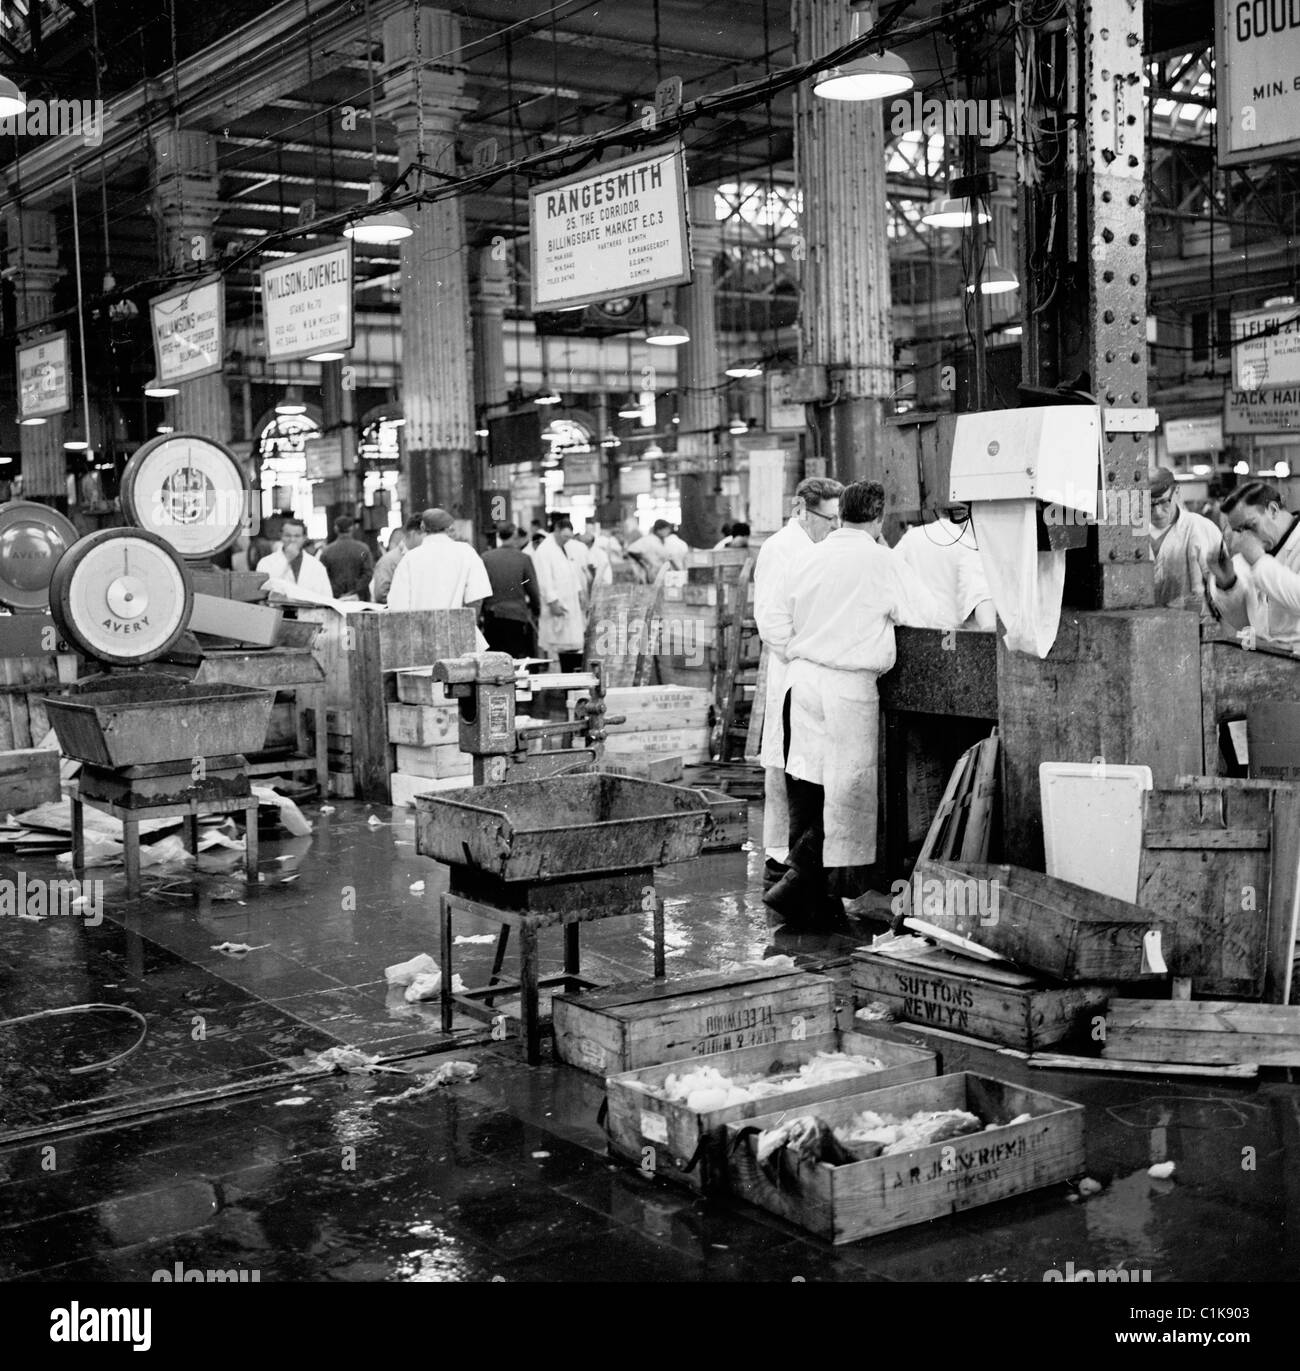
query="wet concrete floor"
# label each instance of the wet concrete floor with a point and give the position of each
(220, 1144)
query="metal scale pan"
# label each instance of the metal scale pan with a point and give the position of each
(32, 539)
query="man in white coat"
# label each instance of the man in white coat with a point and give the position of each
(1259, 585)
(292, 570)
(442, 573)
(562, 585)
(845, 598)
(816, 513)
(942, 555)
(1182, 542)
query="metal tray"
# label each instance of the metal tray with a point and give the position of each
(563, 826)
(137, 721)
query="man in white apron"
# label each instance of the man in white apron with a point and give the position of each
(1259, 585)
(846, 596)
(562, 585)
(816, 513)
(1181, 541)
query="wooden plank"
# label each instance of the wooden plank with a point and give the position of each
(1283, 895)
(436, 763)
(939, 825)
(1023, 1017)
(879, 1195)
(975, 840)
(1051, 1061)
(28, 778)
(1220, 1032)
(417, 687)
(1208, 840)
(642, 1115)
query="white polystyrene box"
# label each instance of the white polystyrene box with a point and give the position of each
(1051, 454)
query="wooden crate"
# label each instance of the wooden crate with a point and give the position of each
(436, 763)
(685, 1143)
(1006, 1007)
(28, 778)
(341, 785)
(691, 744)
(666, 769)
(422, 725)
(1207, 1032)
(861, 1199)
(404, 788)
(1039, 922)
(417, 687)
(626, 1027)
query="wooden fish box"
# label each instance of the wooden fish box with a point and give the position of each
(417, 687)
(423, 725)
(861, 1199)
(624, 1028)
(666, 769)
(437, 763)
(684, 1144)
(1000, 1006)
(1039, 922)
(691, 744)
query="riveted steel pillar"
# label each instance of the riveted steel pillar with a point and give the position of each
(1086, 309)
(32, 253)
(187, 200)
(423, 97)
(840, 159)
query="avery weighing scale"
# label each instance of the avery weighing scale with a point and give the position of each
(151, 745)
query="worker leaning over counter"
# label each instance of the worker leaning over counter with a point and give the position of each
(816, 513)
(1258, 586)
(845, 598)
(1182, 542)
(943, 556)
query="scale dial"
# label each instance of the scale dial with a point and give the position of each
(32, 539)
(189, 490)
(122, 596)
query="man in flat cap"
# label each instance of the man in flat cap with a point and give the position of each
(1181, 544)
(442, 573)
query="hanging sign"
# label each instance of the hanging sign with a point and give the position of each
(44, 381)
(1266, 347)
(766, 468)
(783, 413)
(324, 457)
(1257, 75)
(615, 231)
(189, 330)
(1274, 409)
(1204, 433)
(307, 303)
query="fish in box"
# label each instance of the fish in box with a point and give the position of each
(931, 1162)
(649, 1121)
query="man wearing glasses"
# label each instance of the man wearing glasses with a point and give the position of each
(1181, 543)
(1259, 585)
(816, 513)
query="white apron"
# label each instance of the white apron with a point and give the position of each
(834, 743)
(776, 809)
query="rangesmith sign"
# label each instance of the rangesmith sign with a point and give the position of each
(619, 230)
(307, 303)
(189, 329)
(1257, 68)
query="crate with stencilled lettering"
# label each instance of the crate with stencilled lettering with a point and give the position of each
(1025, 1140)
(623, 1028)
(996, 1004)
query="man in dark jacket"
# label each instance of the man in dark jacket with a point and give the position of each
(347, 559)
(510, 612)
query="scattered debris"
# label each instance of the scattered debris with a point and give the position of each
(327, 809)
(1161, 1171)
(238, 949)
(463, 938)
(428, 984)
(403, 973)
(295, 1099)
(875, 1012)
(351, 1059)
(449, 1073)
(372, 822)
(417, 888)
(538, 1156)
(1087, 1186)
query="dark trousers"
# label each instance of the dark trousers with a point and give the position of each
(806, 802)
(514, 636)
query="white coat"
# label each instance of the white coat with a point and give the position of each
(943, 558)
(312, 577)
(560, 578)
(845, 599)
(439, 574)
(1266, 597)
(1178, 553)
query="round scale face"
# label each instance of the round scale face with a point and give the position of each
(32, 539)
(121, 595)
(188, 490)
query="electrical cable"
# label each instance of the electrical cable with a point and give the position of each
(68, 1010)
